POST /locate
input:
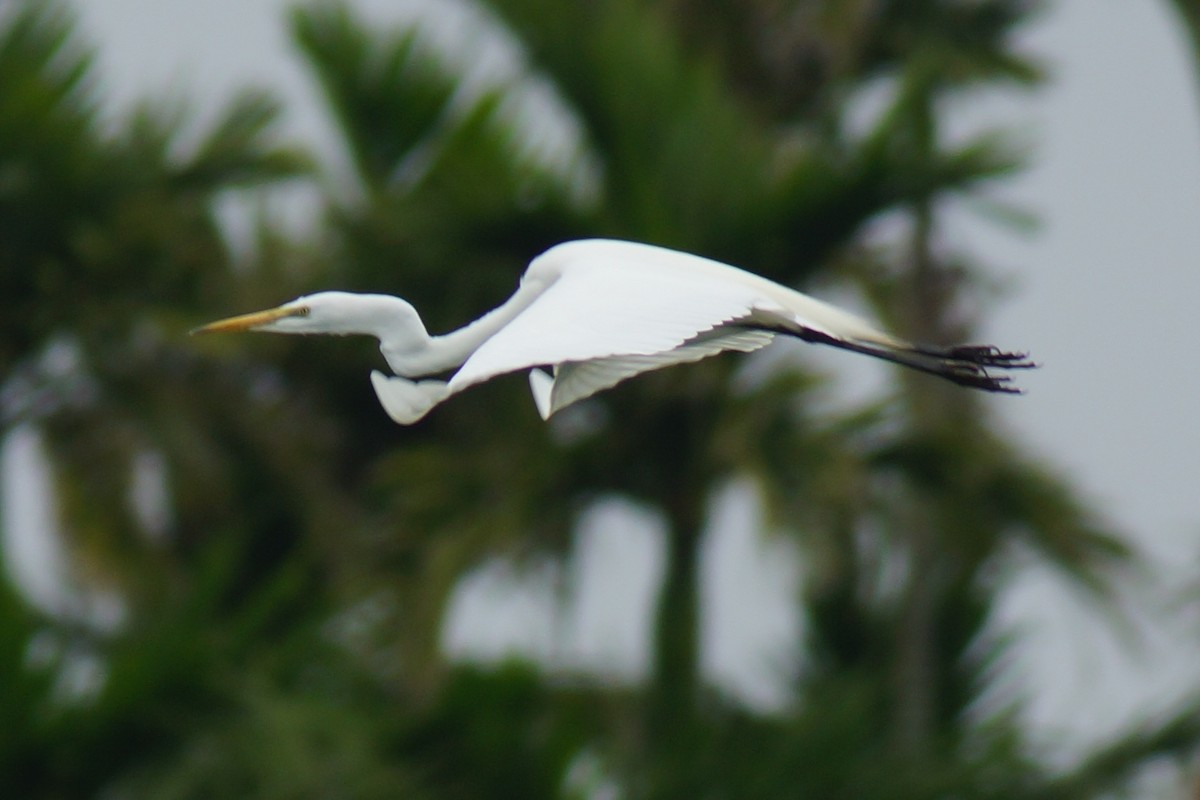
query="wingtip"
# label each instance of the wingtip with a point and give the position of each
(407, 401)
(542, 386)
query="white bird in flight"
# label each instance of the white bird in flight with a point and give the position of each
(596, 312)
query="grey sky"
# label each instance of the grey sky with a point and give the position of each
(1104, 296)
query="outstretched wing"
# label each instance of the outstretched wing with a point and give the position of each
(603, 320)
(611, 310)
(576, 380)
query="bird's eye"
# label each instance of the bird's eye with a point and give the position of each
(302, 311)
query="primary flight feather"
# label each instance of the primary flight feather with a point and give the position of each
(596, 312)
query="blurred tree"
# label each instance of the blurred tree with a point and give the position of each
(1189, 15)
(108, 242)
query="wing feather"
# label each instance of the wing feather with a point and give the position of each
(576, 380)
(605, 309)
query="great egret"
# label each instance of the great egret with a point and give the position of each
(599, 311)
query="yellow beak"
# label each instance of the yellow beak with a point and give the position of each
(247, 322)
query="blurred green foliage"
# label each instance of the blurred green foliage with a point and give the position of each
(281, 636)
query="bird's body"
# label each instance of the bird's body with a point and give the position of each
(599, 311)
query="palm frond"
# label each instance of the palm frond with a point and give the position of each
(389, 94)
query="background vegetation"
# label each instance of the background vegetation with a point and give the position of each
(276, 630)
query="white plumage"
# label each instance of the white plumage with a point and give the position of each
(596, 312)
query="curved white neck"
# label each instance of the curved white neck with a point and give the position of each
(448, 351)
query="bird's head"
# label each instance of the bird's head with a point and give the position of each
(339, 313)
